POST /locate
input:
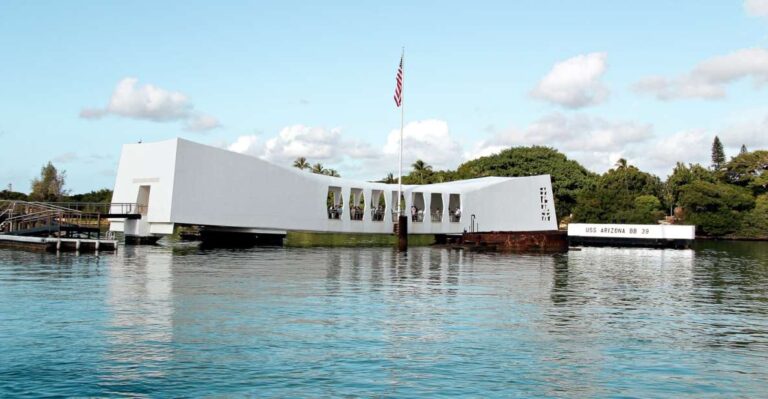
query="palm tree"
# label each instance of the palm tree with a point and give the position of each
(331, 172)
(301, 163)
(421, 168)
(318, 168)
(621, 163)
(389, 179)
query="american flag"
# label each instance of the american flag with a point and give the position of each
(399, 87)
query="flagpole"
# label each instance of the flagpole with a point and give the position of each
(402, 119)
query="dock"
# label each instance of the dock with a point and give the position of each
(58, 226)
(56, 244)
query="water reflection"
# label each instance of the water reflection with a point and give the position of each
(140, 304)
(376, 322)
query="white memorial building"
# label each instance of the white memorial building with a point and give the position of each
(179, 182)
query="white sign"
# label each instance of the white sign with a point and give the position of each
(648, 231)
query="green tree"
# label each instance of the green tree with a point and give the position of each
(683, 175)
(743, 149)
(389, 179)
(749, 170)
(12, 195)
(755, 223)
(318, 168)
(50, 185)
(331, 172)
(301, 163)
(647, 210)
(421, 169)
(718, 156)
(100, 196)
(569, 178)
(716, 209)
(620, 196)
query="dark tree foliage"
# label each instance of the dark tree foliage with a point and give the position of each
(621, 195)
(389, 179)
(755, 223)
(301, 163)
(317, 168)
(568, 177)
(683, 175)
(647, 210)
(743, 149)
(749, 170)
(99, 196)
(429, 177)
(715, 208)
(718, 156)
(421, 170)
(12, 195)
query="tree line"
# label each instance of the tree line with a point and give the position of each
(728, 198)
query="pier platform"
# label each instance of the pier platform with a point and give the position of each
(53, 244)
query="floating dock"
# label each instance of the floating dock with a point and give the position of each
(53, 244)
(632, 235)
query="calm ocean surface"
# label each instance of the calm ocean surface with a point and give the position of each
(330, 322)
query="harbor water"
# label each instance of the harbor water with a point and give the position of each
(178, 321)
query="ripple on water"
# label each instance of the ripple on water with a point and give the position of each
(601, 322)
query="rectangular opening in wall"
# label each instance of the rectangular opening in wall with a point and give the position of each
(436, 207)
(356, 204)
(454, 207)
(334, 202)
(378, 206)
(417, 207)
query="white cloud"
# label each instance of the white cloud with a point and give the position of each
(248, 144)
(201, 123)
(303, 141)
(596, 142)
(756, 8)
(317, 144)
(429, 140)
(149, 102)
(575, 82)
(748, 132)
(661, 155)
(710, 78)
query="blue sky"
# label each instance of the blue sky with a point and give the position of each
(650, 81)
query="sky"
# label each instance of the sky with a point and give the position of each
(652, 82)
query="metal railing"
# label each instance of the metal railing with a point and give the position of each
(103, 207)
(18, 215)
